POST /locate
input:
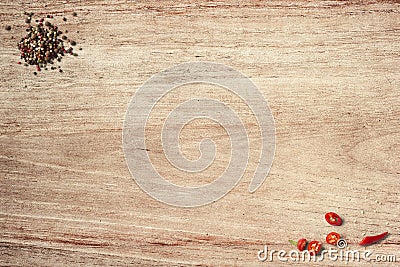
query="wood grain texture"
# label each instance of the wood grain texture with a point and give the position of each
(328, 69)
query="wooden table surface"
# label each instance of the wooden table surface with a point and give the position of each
(328, 69)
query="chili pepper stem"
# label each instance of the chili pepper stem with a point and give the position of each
(294, 243)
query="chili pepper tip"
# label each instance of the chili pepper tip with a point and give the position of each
(369, 240)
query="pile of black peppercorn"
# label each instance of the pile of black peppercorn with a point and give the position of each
(44, 43)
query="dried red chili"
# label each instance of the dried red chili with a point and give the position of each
(369, 240)
(332, 238)
(333, 219)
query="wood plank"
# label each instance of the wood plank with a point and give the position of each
(328, 69)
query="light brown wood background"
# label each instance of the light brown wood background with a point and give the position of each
(328, 69)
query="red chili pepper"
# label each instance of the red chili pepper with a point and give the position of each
(314, 247)
(369, 240)
(333, 219)
(332, 238)
(301, 244)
